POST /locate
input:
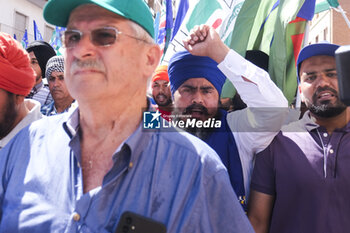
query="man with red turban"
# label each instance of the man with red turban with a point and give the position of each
(161, 91)
(16, 80)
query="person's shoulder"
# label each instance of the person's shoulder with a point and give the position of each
(38, 134)
(48, 125)
(289, 135)
(51, 120)
(297, 129)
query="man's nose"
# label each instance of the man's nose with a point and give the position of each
(84, 48)
(197, 98)
(323, 80)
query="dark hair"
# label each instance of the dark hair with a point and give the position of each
(43, 52)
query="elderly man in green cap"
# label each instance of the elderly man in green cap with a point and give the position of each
(81, 170)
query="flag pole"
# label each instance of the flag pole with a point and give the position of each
(343, 13)
(306, 41)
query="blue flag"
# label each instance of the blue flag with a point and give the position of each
(169, 23)
(24, 41)
(156, 25)
(37, 34)
(165, 26)
(181, 13)
(55, 40)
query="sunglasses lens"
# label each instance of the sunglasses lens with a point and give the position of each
(71, 38)
(103, 36)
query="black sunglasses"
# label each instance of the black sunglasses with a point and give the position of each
(104, 37)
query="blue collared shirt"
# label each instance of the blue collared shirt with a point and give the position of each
(41, 93)
(171, 177)
(50, 109)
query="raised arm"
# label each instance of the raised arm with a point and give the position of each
(203, 40)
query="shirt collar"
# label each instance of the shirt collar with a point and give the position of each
(71, 126)
(38, 86)
(310, 125)
(136, 142)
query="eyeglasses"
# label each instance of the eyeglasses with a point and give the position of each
(102, 37)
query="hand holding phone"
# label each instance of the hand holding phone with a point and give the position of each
(134, 223)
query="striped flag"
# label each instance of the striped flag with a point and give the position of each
(165, 25)
(37, 34)
(221, 14)
(277, 28)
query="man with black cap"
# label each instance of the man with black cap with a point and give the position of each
(80, 171)
(301, 182)
(16, 81)
(196, 80)
(40, 52)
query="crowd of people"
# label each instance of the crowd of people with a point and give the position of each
(75, 156)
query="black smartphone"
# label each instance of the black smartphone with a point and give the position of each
(134, 223)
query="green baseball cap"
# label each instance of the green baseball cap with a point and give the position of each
(57, 12)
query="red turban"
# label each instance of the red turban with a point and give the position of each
(161, 73)
(16, 74)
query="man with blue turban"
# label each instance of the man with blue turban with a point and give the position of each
(196, 79)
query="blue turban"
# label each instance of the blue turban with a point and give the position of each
(183, 66)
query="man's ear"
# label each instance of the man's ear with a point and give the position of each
(153, 55)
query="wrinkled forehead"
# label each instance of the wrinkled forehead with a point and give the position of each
(90, 13)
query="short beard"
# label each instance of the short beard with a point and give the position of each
(202, 133)
(9, 116)
(326, 109)
(169, 102)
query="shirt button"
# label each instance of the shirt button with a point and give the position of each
(76, 217)
(325, 135)
(331, 151)
(131, 165)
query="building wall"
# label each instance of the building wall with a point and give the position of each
(320, 28)
(341, 31)
(8, 11)
(330, 25)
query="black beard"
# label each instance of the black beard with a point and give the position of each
(326, 109)
(170, 101)
(9, 117)
(202, 133)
